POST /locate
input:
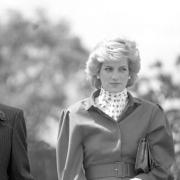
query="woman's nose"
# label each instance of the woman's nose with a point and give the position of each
(115, 75)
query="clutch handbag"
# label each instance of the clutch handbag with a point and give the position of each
(144, 160)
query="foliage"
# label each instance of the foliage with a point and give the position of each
(38, 60)
(42, 71)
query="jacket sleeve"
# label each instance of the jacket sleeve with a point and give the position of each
(69, 149)
(162, 146)
(19, 163)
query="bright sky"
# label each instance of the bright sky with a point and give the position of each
(153, 24)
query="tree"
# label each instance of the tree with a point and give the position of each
(38, 60)
(42, 71)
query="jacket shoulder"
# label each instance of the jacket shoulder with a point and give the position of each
(79, 106)
(146, 102)
(9, 108)
(149, 104)
(76, 109)
(8, 112)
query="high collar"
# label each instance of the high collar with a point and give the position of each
(110, 97)
(91, 100)
(112, 104)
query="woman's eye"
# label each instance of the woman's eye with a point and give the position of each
(108, 69)
(123, 69)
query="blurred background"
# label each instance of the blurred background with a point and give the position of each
(43, 49)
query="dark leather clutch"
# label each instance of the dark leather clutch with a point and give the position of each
(144, 160)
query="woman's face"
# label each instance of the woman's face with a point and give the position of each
(114, 75)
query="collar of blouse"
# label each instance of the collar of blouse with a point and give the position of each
(112, 104)
(90, 102)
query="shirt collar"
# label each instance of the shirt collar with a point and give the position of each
(133, 100)
(90, 102)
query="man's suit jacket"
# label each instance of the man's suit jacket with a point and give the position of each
(14, 163)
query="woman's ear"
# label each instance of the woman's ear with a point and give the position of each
(129, 81)
(98, 75)
(98, 82)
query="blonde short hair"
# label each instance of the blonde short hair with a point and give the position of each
(113, 50)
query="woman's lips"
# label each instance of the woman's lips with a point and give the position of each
(115, 84)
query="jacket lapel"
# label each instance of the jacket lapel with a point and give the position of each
(2, 116)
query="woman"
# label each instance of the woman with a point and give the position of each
(98, 136)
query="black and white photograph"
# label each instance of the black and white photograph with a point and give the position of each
(89, 90)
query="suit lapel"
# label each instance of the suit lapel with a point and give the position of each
(2, 116)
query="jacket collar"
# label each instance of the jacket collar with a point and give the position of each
(133, 100)
(90, 102)
(2, 116)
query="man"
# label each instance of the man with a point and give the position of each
(14, 163)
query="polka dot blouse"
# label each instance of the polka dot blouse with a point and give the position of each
(112, 104)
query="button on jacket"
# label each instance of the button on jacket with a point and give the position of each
(88, 137)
